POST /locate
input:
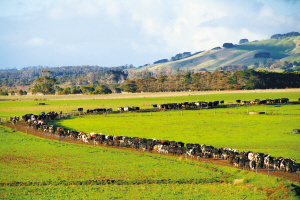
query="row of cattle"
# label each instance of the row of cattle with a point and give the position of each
(248, 159)
(189, 105)
(264, 102)
(211, 104)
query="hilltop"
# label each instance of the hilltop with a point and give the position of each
(245, 54)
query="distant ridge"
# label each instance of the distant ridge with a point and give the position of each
(282, 47)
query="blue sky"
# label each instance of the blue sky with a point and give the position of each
(117, 32)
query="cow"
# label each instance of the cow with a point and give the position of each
(268, 160)
(215, 153)
(236, 161)
(14, 120)
(83, 137)
(259, 159)
(277, 163)
(26, 117)
(287, 165)
(252, 164)
(284, 100)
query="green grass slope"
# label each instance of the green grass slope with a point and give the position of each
(283, 49)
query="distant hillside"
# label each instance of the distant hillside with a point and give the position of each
(246, 54)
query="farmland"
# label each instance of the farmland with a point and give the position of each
(34, 167)
(270, 133)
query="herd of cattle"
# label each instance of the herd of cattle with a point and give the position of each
(211, 104)
(191, 105)
(243, 160)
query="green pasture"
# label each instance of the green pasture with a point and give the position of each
(19, 107)
(227, 127)
(230, 127)
(38, 168)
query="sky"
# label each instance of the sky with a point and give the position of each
(111, 33)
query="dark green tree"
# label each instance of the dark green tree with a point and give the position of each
(130, 86)
(44, 85)
(102, 89)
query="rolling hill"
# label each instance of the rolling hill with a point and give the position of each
(286, 49)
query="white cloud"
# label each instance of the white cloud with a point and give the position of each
(36, 41)
(140, 28)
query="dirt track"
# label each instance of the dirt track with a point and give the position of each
(22, 126)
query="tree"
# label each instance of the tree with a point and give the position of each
(4, 93)
(102, 89)
(46, 72)
(21, 92)
(67, 90)
(44, 85)
(87, 89)
(130, 86)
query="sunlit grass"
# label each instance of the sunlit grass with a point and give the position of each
(34, 167)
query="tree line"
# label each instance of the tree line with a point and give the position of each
(106, 82)
(23, 78)
(217, 80)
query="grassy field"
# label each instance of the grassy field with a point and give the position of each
(230, 127)
(17, 107)
(37, 168)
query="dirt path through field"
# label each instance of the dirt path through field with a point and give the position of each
(23, 127)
